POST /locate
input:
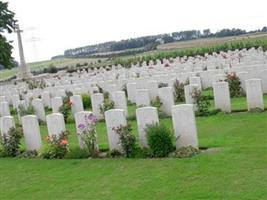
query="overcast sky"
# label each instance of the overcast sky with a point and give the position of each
(52, 26)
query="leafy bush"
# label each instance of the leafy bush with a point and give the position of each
(57, 146)
(10, 142)
(51, 69)
(107, 105)
(159, 140)
(22, 110)
(114, 153)
(88, 134)
(127, 140)
(234, 85)
(66, 106)
(179, 95)
(201, 102)
(186, 152)
(156, 102)
(86, 100)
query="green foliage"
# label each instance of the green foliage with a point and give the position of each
(7, 23)
(57, 146)
(66, 107)
(186, 152)
(201, 102)
(10, 142)
(107, 105)
(127, 140)
(178, 91)
(86, 100)
(234, 85)
(51, 69)
(156, 102)
(159, 140)
(22, 110)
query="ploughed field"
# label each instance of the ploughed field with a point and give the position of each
(234, 166)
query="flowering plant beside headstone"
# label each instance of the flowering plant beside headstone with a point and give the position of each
(88, 134)
(57, 146)
(66, 107)
(234, 84)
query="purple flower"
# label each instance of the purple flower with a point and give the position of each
(81, 126)
(92, 118)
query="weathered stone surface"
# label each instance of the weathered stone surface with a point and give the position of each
(167, 99)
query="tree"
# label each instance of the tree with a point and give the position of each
(7, 23)
(206, 32)
(264, 29)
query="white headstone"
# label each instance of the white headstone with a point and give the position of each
(4, 109)
(56, 103)
(77, 104)
(6, 123)
(114, 118)
(97, 101)
(184, 125)
(222, 96)
(254, 94)
(31, 132)
(39, 109)
(120, 101)
(55, 124)
(145, 116)
(142, 98)
(167, 99)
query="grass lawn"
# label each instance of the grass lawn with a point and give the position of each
(234, 169)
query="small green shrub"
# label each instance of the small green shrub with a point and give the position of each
(22, 110)
(10, 142)
(234, 85)
(201, 102)
(159, 140)
(107, 105)
(127, 140)
(86, 100)
(66, 106)
(178, 91)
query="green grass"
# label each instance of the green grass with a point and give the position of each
(235, 169)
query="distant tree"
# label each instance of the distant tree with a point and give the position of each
(264, 29)
(7, 23)
(206, 33)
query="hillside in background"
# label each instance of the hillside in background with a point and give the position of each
(148, 43)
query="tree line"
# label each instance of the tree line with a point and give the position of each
(151, 42)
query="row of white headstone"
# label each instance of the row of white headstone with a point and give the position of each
(183, 119)
(143, 97)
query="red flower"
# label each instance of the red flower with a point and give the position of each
(63, 142)
(70, 103)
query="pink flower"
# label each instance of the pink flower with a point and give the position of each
(63, 142)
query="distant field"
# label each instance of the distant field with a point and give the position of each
(209, 41)
(71, 62)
